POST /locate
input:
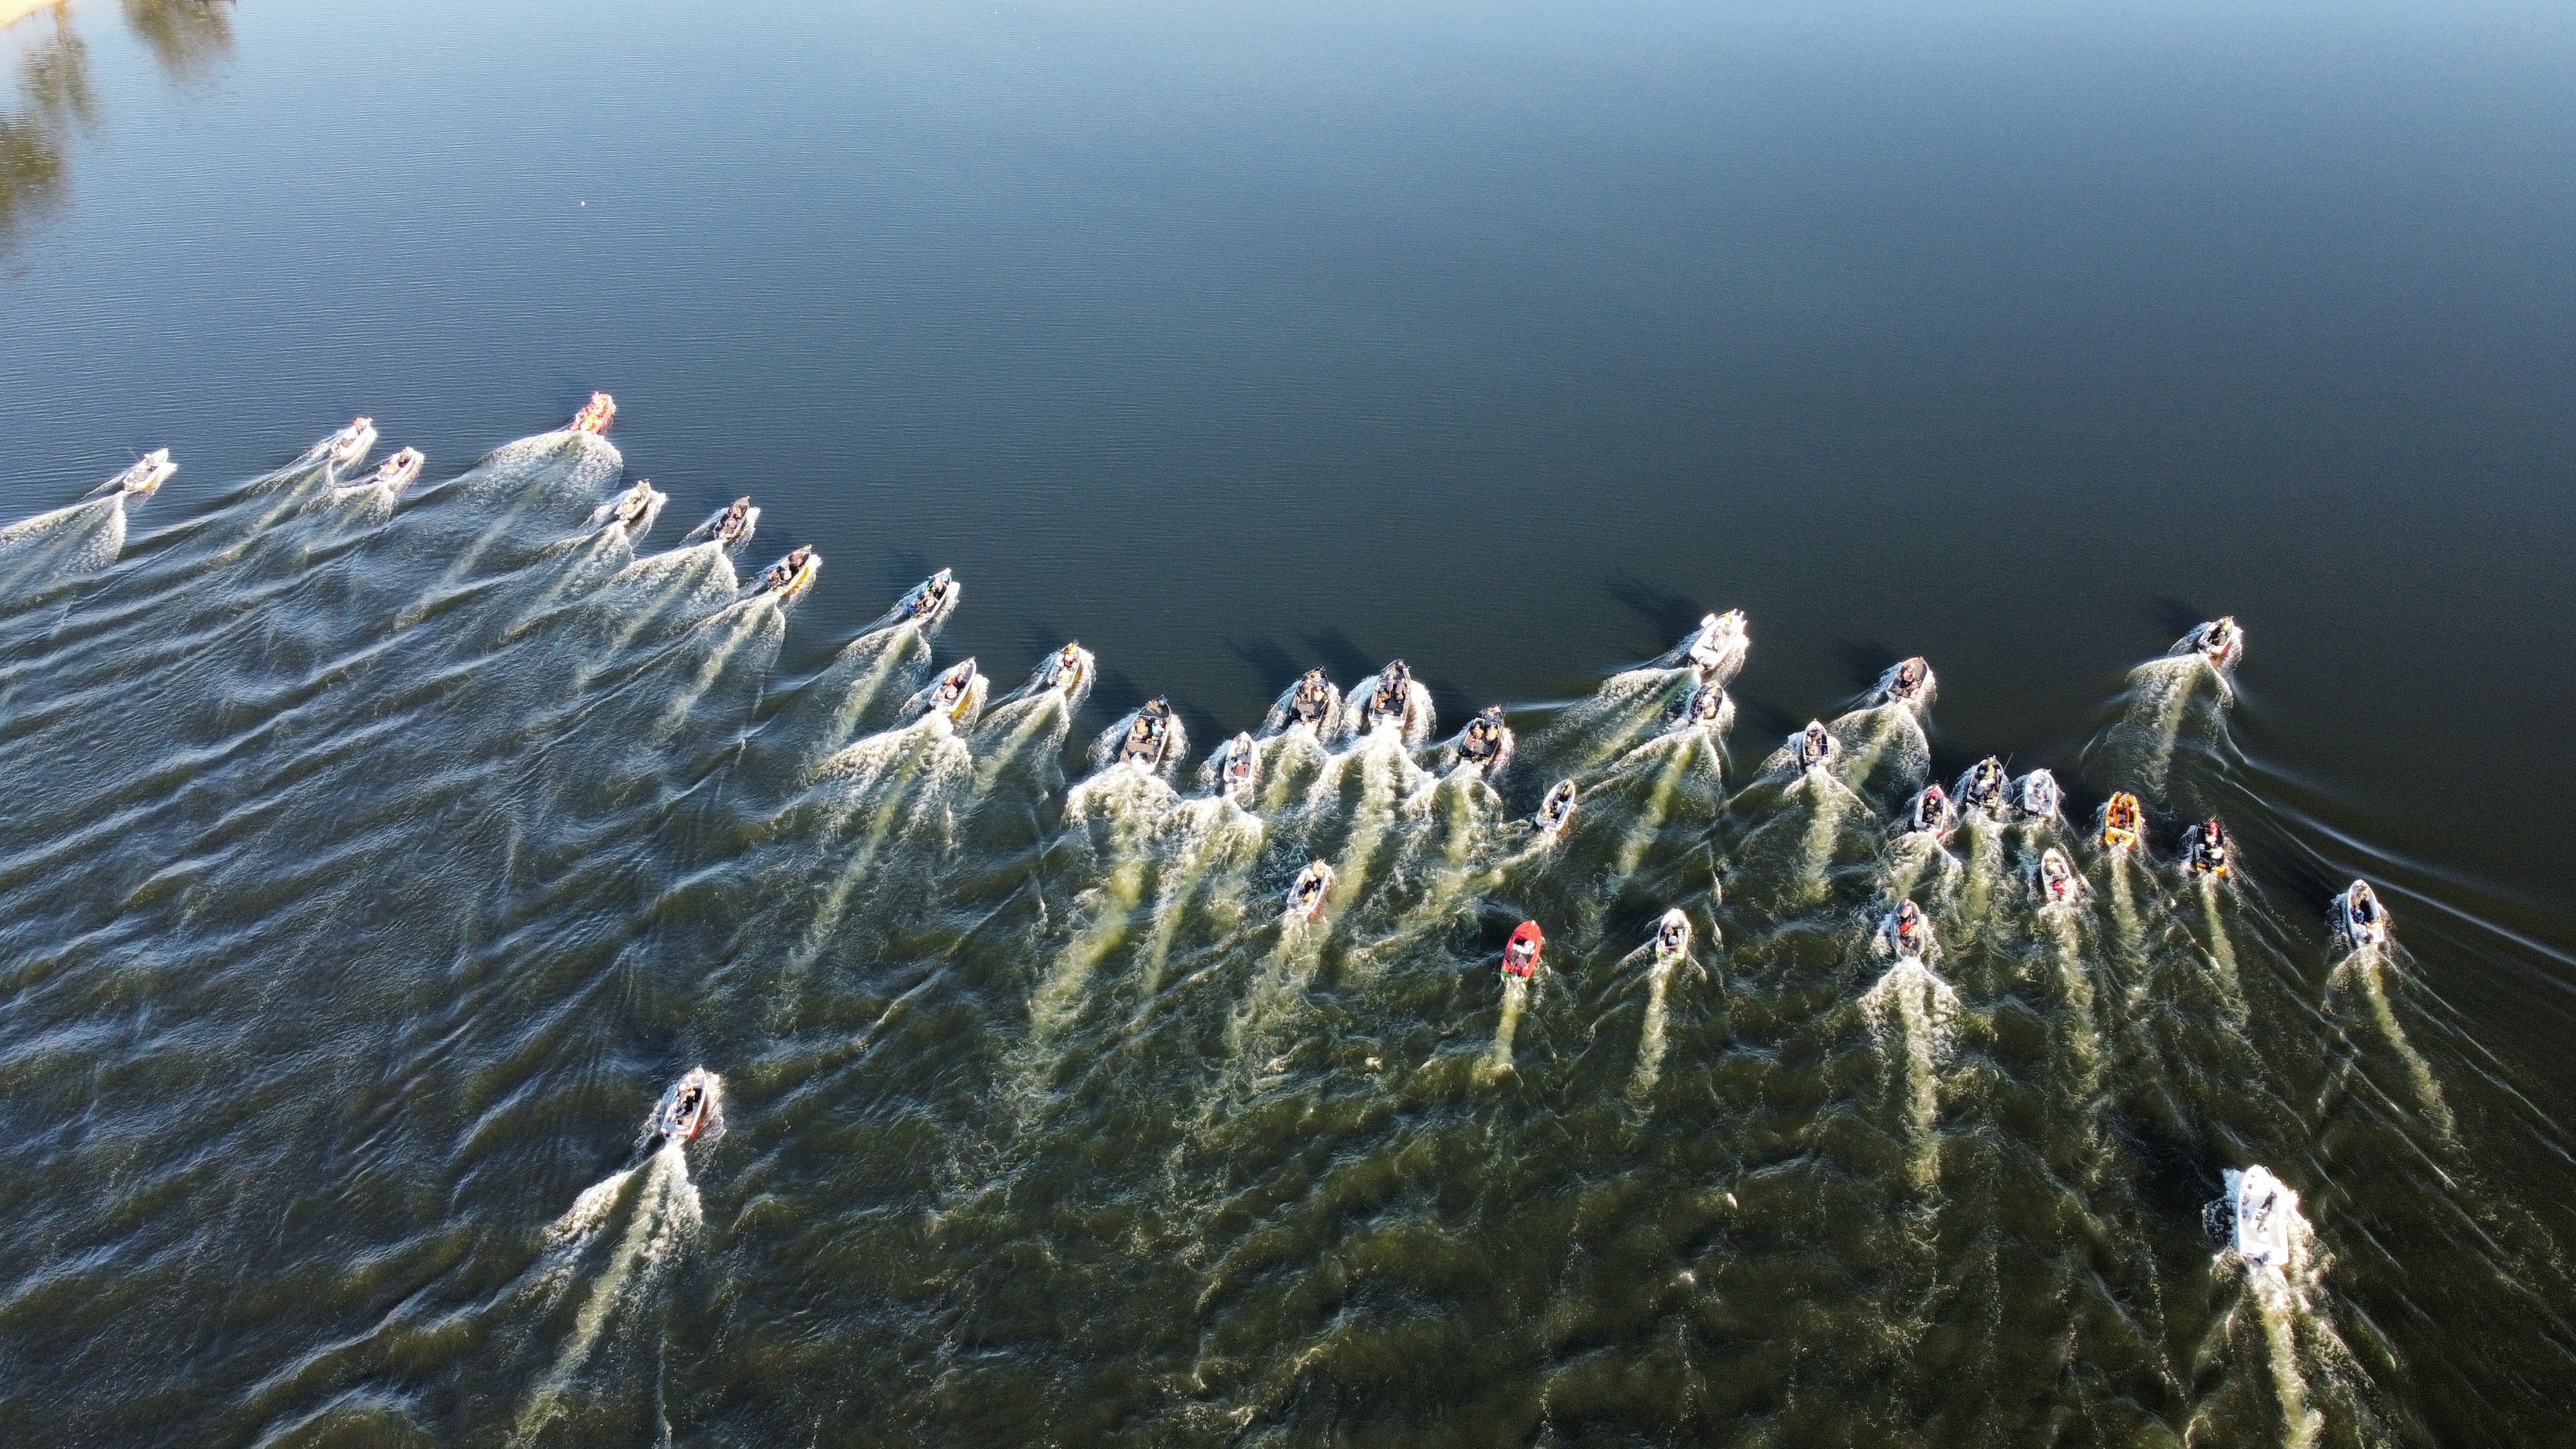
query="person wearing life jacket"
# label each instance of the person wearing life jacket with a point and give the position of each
(1520, 954)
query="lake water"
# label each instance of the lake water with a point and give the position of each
(375, 862)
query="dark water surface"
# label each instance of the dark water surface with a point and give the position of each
(371, 865)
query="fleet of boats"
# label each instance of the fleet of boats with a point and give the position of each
(1394, 703)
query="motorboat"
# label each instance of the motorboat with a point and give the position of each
(1306, 894)
(1930, 813)
(729, 527)
(790, 576)
(1555, 810)
(2360, 917)
(347, 447)
(1520, 954)
(1238, 768)
(684, 1107)
(1905, 933)
(1390, 700)
(1672, 937)
(2056, 879)
(1907, 682)
(2123, 825)
(2035, 796)
(1486, 742)
(2205, 849)
(1814, 747)
(2265, 1211)
(929, 602)
(952, 694)
(1067, 672)
(398, 472)
(1717, 646)
(2221, 641)
(1708, 708)
(1313, 701)
(148, 473)
(1982, 788)
(595, 415)
(633, 511)
(1148, 737)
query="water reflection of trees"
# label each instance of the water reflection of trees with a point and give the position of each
(188, 37)
(54, 98)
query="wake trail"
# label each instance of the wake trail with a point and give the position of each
(1924, 1010)
(667, 1217)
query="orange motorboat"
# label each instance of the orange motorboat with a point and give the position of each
(595, 415)
(2120, 822)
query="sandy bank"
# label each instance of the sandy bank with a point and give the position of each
(13, 11)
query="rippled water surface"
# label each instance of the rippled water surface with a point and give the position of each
(376, 858)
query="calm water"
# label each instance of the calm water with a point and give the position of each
(373, 864)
